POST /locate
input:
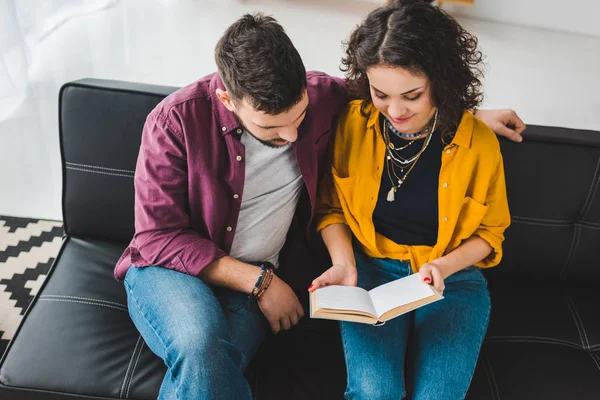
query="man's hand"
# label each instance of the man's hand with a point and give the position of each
(338, 274)
(280, 306)
(504, 122)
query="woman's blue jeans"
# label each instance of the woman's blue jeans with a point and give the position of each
(429, 353)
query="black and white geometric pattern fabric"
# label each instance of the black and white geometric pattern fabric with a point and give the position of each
(28, 248)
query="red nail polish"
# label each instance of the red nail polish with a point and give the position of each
(310, 287)
(426, 280)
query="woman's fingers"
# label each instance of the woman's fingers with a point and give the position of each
(438, 279)
(321, 281)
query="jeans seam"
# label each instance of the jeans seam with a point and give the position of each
(243, 358)
(346, 353)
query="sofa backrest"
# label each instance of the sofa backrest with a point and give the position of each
(101, 125)
(552, 181)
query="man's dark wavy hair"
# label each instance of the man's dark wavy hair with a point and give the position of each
(258, 62)
(425, 40)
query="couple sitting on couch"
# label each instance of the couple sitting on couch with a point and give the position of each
(413, 182)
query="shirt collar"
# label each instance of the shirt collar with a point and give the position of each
(372, 112)
(464, 132)
(225, 118)
(462, 137)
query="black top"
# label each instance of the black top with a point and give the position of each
(412, 218)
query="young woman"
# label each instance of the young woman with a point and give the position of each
(416, 186)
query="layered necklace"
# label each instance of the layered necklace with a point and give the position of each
(396, 164)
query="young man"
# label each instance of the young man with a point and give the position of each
(223, 164)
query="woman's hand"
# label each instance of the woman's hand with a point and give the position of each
(431, 275)
(338, 274)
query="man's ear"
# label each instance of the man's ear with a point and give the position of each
(224, 98)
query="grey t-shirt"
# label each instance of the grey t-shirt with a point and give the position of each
(271, 192)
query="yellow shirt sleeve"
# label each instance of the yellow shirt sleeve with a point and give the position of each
(329, 209)
(496, 219)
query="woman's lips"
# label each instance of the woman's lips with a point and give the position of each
(401, 120)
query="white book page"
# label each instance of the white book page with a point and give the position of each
(345, 298)
(398, 293)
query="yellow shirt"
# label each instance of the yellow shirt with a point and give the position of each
(471, 192)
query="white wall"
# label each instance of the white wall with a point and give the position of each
(577, 16)
(549, 78)
(169, 42)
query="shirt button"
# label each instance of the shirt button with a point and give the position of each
(239, 131)
(236, 196)
(445, 219)
(448, 151)
(229, 229)
(239, 158)
(224, 128)
(445, 185)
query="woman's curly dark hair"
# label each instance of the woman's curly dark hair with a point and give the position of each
(424, 39)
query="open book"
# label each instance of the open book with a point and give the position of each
(350, 303)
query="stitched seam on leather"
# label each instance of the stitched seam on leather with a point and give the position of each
(591, 193)
(595, 358)
(83, 298)
(578, 322)
(133, 370)
(101, 168)
(481, 337)
(572, 250)
(555, 223)
(535, 341)
(85, 302)
(160, 339)
(489, 373)
(532, 339)
(541, 221)
(98, 172)
(129, 366)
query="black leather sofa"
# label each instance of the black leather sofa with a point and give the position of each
(76, 340)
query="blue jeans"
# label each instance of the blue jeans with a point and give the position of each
(429, 353)
(205, 335)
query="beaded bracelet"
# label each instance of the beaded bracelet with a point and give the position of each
(258, 281)
(263, 281)
(267, 282)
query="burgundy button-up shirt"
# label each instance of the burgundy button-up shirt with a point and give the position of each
(190, 175)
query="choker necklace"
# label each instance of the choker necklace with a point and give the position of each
(394, 160)
(411, 136)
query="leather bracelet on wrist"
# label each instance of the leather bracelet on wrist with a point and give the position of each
(267, 282)
(264, 280)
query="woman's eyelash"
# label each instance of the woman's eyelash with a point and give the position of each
(384, 96)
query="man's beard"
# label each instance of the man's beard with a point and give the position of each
(274, 143)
